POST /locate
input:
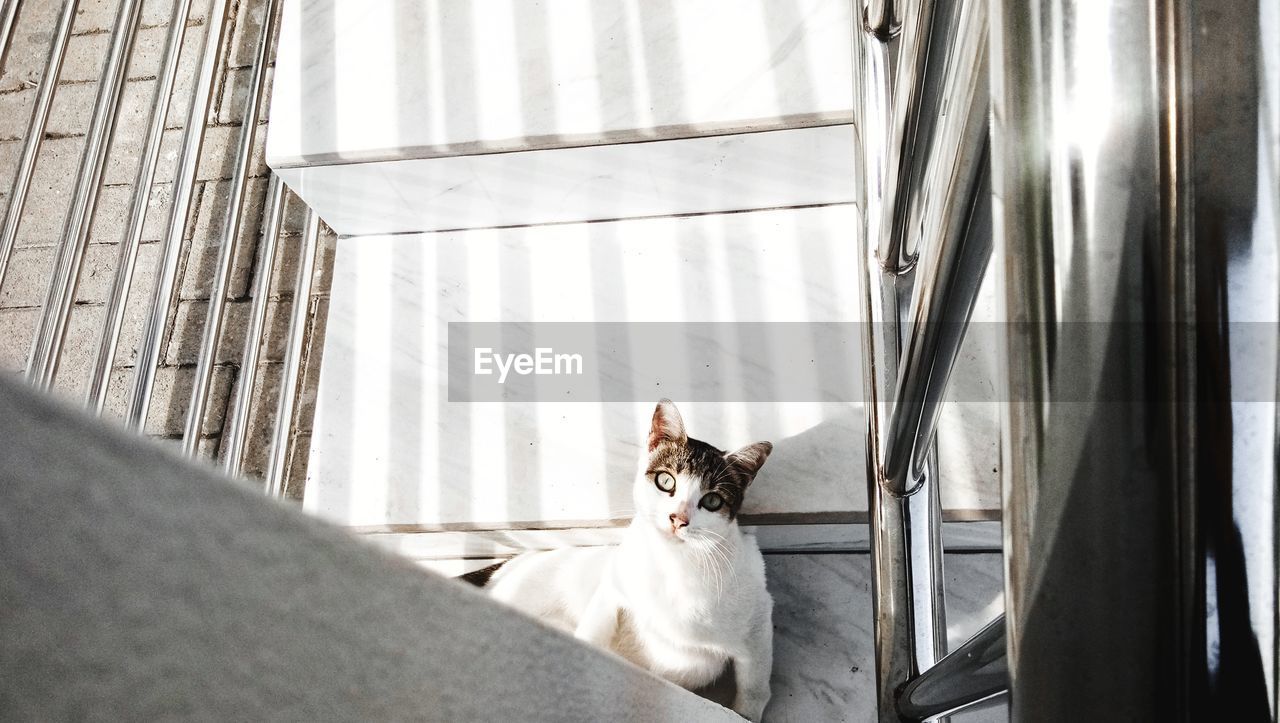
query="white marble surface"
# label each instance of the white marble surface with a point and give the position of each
(360, 80)
(804, 166)
(390, 449)
(969, 429)
(824, 663)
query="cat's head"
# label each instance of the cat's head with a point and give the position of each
(689, 489)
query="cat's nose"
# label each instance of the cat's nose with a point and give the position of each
(679, 520)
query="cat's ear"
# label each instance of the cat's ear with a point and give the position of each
(750, 458)
(667, 425)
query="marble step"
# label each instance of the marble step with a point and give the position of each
(770, 169)
(824, 660)
(404, 115)
(393, 452)
(458, 551)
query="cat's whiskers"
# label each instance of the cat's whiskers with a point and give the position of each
(722, 553)
(726, 554)
(713, 546)
(724, 541)
(716, 572)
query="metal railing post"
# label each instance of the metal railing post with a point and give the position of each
(35, 135)
(183, 187)
(949, 211)
(8, 16)
(293, 355)
(926, 207)
(906, 560)
(910, 99)
(238, 421)
(230, 236)
(127, 259)
(975, 671)
(1134, 151)
(42, 363)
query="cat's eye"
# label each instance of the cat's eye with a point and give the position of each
(665, 482)
(711, 501)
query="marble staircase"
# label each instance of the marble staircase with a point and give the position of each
(624, 161)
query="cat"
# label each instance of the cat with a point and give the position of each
(683, 595)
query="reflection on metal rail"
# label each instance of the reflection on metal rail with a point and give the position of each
(882, 18)
(912, 99)
(949, 211)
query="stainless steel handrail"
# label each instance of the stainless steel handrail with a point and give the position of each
(910, 94)
(237, 425)
(1135, 151)
(275, 476)
(949, 213)
(126, 262)
(881, 18)
(230, 235)
(183, 186)
(906, 560)
(46, 349)
(35, 135)
(8, 16)
(927, 240)
(941, 309)
(975, 671)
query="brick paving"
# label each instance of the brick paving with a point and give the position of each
(29, 272)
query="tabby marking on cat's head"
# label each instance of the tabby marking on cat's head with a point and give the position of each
(690, 488)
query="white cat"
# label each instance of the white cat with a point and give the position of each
(684, 593)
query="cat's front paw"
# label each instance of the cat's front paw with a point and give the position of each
(751, 707)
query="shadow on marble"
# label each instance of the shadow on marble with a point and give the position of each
(421, 78)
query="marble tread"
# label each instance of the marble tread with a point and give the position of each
(770, 169)
(390, 449)
(429, 78)
(432, 548)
